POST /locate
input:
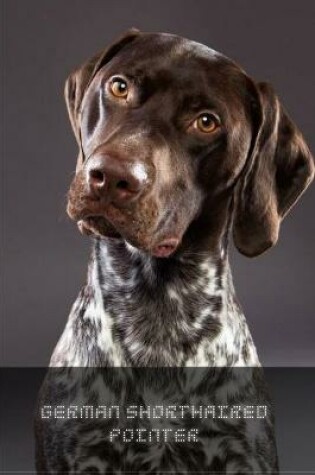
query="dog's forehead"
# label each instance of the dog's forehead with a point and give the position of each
(176, 46)
(152, 52)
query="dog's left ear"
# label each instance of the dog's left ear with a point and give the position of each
(78, 82)
(278, 170)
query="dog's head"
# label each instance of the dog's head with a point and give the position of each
(172, 137)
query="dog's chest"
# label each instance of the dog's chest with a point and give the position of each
(131, 323)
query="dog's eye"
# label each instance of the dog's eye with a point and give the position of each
(119, 87)
(206, 123)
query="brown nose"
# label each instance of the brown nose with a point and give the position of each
(116, 179)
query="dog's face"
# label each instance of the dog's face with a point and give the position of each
(171, 134)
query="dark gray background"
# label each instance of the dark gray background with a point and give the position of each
(44, 255)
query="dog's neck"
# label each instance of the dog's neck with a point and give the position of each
(162, 309)
(149, 311)
(118, 267)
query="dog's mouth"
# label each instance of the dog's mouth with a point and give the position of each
(97, 226)
(144, 231)
(101, 227)
(92, 221)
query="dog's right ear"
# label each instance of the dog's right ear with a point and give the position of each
(78, 82)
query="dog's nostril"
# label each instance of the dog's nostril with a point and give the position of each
(96, 176)
(122, 185)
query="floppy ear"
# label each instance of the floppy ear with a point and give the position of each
(78, 82)
(279, 169)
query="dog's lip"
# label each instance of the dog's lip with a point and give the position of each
(84, 229)
(163, 248)
(166, 247)
(88, 225)
(91, 217)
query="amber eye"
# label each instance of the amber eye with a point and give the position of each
(119, 87)
(207, 123)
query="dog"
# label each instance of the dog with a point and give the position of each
(178, 147)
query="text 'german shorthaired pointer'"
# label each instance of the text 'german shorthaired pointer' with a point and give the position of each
(177, 147)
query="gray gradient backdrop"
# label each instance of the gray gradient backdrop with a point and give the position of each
(45, 257)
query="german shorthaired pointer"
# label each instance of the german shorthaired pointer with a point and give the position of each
(177, 146)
